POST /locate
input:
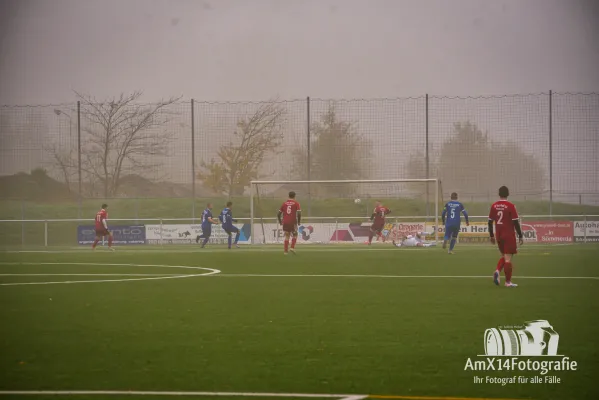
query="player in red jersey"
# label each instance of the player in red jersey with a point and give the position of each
(506, 219)
(378, 221)
(102, 227)
(290, 216)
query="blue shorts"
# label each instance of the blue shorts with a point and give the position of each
(206, 230)
(230, 229)
(452, 232)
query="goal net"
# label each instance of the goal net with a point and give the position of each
(339, 211)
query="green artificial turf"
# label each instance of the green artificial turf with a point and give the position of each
(404, 324)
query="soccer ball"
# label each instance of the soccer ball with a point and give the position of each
(357, 201)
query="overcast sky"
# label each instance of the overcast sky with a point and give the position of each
(257, 49)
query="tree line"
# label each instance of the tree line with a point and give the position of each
(125, 137)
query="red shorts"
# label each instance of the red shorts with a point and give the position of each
(289, 227)
(102, 232)
(507, 244)
(378, 227)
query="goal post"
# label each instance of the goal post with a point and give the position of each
(335, 204)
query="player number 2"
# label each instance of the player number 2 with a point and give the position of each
(500, 215)
(288, 210)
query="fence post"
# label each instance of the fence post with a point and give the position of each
(46, 233)
(193, 163)
(79, 154)
(550, 153)
(585, 228)
(22, 223)
(308, 156)
(426, 151)
(336, 232)
(161, 231)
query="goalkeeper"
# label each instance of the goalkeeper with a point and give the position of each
(416, 240)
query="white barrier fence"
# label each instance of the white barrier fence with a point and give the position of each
(165, 231)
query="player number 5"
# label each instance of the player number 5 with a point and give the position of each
(452, 213)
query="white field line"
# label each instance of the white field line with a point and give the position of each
(400, 276)
(170, 393)
(275, 248)
(211, 271)
(89, 274)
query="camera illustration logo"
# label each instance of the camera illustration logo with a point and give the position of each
(535, 338)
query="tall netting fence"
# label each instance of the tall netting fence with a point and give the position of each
(170, 159)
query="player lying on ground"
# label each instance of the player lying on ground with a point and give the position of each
(102, 227)
(506, 219)
(207, 222)
(414, 241)
(290, 216)
(378, 221)
(452, 211)
(226, 218)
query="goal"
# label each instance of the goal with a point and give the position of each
(338, 211)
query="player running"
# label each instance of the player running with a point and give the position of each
(378, 221)
(290, 216)
(207, 222)
(452, 211)
(226, 218)
(102, 227)
(506, 219)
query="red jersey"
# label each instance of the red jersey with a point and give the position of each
(100, 218)
(379, 214)
(504, 214)
(290, 208)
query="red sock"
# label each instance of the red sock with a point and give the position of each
(110, 241)
(286, 245)
(508, 271)
(95, 243)
(293, 241)
(500, 264)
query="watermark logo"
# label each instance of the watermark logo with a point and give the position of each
(531, 348)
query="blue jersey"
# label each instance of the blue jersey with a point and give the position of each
(451, 213)
(206, 216)
(226, 217)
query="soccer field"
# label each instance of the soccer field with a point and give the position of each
(333, 321)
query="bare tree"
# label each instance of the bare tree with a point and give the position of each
(124, 137)
(239, 161)
(64, 162)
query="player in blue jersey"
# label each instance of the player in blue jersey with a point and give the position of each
(226, 218)
(451, 218)
(207, 222)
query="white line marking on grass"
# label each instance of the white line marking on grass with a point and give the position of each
(277, 248)
(401, 276)
(89, 274)
(170, 393)
(211, 271)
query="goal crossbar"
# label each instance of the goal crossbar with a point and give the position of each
(347, 181)
(397, 180)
